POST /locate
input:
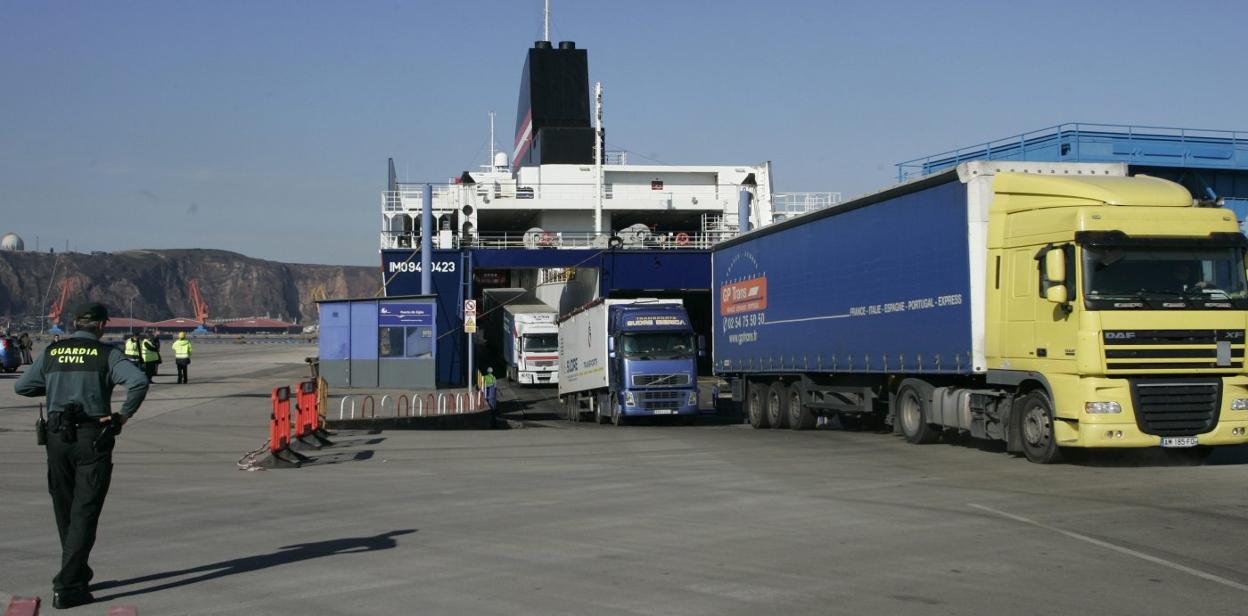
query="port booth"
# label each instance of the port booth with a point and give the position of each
(458, 274)
(386, 343)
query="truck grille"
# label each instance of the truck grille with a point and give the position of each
(1169, 407)
(542, 364)
(651, 400)
(1173, 350)
(660, 380)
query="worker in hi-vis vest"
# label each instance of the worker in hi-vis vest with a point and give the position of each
(182, 355)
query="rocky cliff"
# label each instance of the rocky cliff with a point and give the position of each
(157, 282)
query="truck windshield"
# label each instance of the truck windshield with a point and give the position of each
(658, 345)
(1158, 274)
(541, 343)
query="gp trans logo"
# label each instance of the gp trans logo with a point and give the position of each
(748, 295)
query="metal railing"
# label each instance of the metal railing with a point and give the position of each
(795, 203)
(1067, 143)
(624, 240)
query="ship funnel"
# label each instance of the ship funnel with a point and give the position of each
(541, 45)
(567, 45)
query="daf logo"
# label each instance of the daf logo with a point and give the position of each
(1119, 335)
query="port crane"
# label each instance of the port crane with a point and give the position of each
(200, 307)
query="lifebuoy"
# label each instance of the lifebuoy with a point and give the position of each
(682, 238)
(548, 239)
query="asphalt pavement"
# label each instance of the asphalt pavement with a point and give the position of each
(550, 517)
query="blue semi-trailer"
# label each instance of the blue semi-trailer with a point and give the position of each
(1048, 305)
(628, 358)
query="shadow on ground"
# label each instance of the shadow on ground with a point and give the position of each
(247, 564)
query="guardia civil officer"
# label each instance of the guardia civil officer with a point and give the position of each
(78, 374)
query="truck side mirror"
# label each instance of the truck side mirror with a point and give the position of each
(611, 347)
(1055, 268)
(1056, 293)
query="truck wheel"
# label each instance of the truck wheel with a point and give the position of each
(617, 418)
(778, 405)
(800, 415)
(600, 402)
(913, 408)
(755, 404)
(1036, 428)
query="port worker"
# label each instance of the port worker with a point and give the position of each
(488, 384)
(77, 374)
(132, 348)
(182, 355)
(25, 344)
(151, 356)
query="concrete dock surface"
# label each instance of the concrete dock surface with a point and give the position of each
(559, 518)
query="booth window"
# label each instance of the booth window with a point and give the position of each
(390, 342)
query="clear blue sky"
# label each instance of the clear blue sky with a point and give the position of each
(264, 126)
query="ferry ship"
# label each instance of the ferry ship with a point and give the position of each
(565, 217)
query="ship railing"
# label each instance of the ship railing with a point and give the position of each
(452, 196)
(795, 203)
(570, 240)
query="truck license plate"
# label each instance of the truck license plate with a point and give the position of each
(1179, 441)
(662, 411)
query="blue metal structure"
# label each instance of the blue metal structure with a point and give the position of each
(1159, 146)
(1211, 164)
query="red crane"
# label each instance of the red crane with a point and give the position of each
(198, 303)
(54, 313)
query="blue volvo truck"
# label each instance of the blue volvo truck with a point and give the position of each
(626, 358)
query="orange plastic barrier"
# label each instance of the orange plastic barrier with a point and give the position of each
(279, 420)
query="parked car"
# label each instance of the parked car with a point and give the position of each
(10, 354)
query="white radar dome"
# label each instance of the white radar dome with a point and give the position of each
(500, 159)
(12, 241)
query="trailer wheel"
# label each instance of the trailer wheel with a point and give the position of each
(913, 409)
(1036, 415)
(801, 417)
(778, 405)
(569, 408)
(755, 404)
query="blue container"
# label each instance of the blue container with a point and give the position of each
(881, 285)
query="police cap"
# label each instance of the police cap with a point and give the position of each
(92, 311)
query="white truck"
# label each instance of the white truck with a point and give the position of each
(521, 332)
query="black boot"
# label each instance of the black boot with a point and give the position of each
(67, 599)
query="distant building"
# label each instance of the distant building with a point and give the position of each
(125, 325)
(256, 326)
(175, 325)
(13, 242)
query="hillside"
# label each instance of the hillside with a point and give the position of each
(157, 281)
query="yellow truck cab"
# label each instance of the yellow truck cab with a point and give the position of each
(1122, 306)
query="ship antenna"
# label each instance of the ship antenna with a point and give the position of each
(491, 160)
(546, 22)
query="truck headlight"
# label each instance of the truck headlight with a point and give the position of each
(1102, 408)
(629, 400)
(693, 398)
(1239, 404)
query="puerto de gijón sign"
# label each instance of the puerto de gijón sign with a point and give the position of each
(405, 314)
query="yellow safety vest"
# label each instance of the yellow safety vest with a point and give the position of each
(182, 349)
(149, 351)
(132, 348)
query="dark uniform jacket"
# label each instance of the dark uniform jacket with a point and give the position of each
(84, 370)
